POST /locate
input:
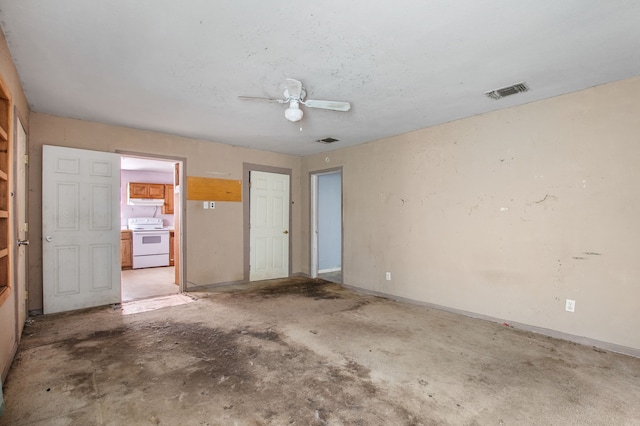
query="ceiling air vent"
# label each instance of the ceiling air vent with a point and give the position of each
(327, 140)
(507, 91)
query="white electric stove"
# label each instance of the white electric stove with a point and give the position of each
(150, 242)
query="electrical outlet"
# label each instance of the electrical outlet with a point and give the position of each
(212, 204)
(388, 276)
(206, 205)
(570, 305)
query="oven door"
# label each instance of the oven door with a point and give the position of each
(146, 243)
(150, 249)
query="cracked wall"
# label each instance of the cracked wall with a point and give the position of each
(505, 214)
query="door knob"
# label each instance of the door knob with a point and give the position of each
(49, 238)
(23, 243)
(285, 232)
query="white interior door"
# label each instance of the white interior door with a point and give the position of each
(80, 228)
(21, 224)
(269, 219)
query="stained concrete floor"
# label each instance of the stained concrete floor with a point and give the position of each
(308, 353)
(334, 277)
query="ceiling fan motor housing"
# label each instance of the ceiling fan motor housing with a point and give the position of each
(300, 98)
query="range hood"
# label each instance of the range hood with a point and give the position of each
(146, 202)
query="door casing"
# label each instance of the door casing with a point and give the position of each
(313, 219)
(247, 168)
(179, 210)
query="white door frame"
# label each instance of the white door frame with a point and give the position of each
(247, 168)
(182, 208)
(313, 210)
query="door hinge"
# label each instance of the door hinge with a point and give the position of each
(26, 227)
(26, 159)
(26, 295)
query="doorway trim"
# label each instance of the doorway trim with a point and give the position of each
(182, 237)
(313, 218)
(247, 168)
(18, 124)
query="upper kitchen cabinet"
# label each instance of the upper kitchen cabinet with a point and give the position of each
(167, 208)
(146, 190)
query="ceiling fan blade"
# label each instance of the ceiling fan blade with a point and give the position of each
(332, 105)
(293, 87)
(255, 98)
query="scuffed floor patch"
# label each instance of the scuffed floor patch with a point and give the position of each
(139, 306)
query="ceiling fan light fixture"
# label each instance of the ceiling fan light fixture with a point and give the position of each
(293, 113)
(294, 95)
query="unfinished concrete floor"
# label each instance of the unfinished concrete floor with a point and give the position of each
(308, 353)
(148, 282)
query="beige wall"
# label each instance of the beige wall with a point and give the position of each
(10, 77)
(505, 214)
(214, 247)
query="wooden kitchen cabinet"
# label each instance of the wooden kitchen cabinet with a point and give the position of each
(156, 190)
(146, 190)
(171, 250)
(126, 250)
(167, 208)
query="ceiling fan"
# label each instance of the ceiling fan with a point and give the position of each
(294, 95)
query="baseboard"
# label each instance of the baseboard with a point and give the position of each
(581, 340)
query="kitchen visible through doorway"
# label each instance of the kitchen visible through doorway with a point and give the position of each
(151, 202)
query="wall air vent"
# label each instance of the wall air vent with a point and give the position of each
(507, 91)
(327, 140)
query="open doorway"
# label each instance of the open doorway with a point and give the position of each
(150, 227)
(326, 225)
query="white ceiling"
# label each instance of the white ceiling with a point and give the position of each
(179, 67)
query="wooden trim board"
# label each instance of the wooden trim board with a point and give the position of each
(212, 189)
